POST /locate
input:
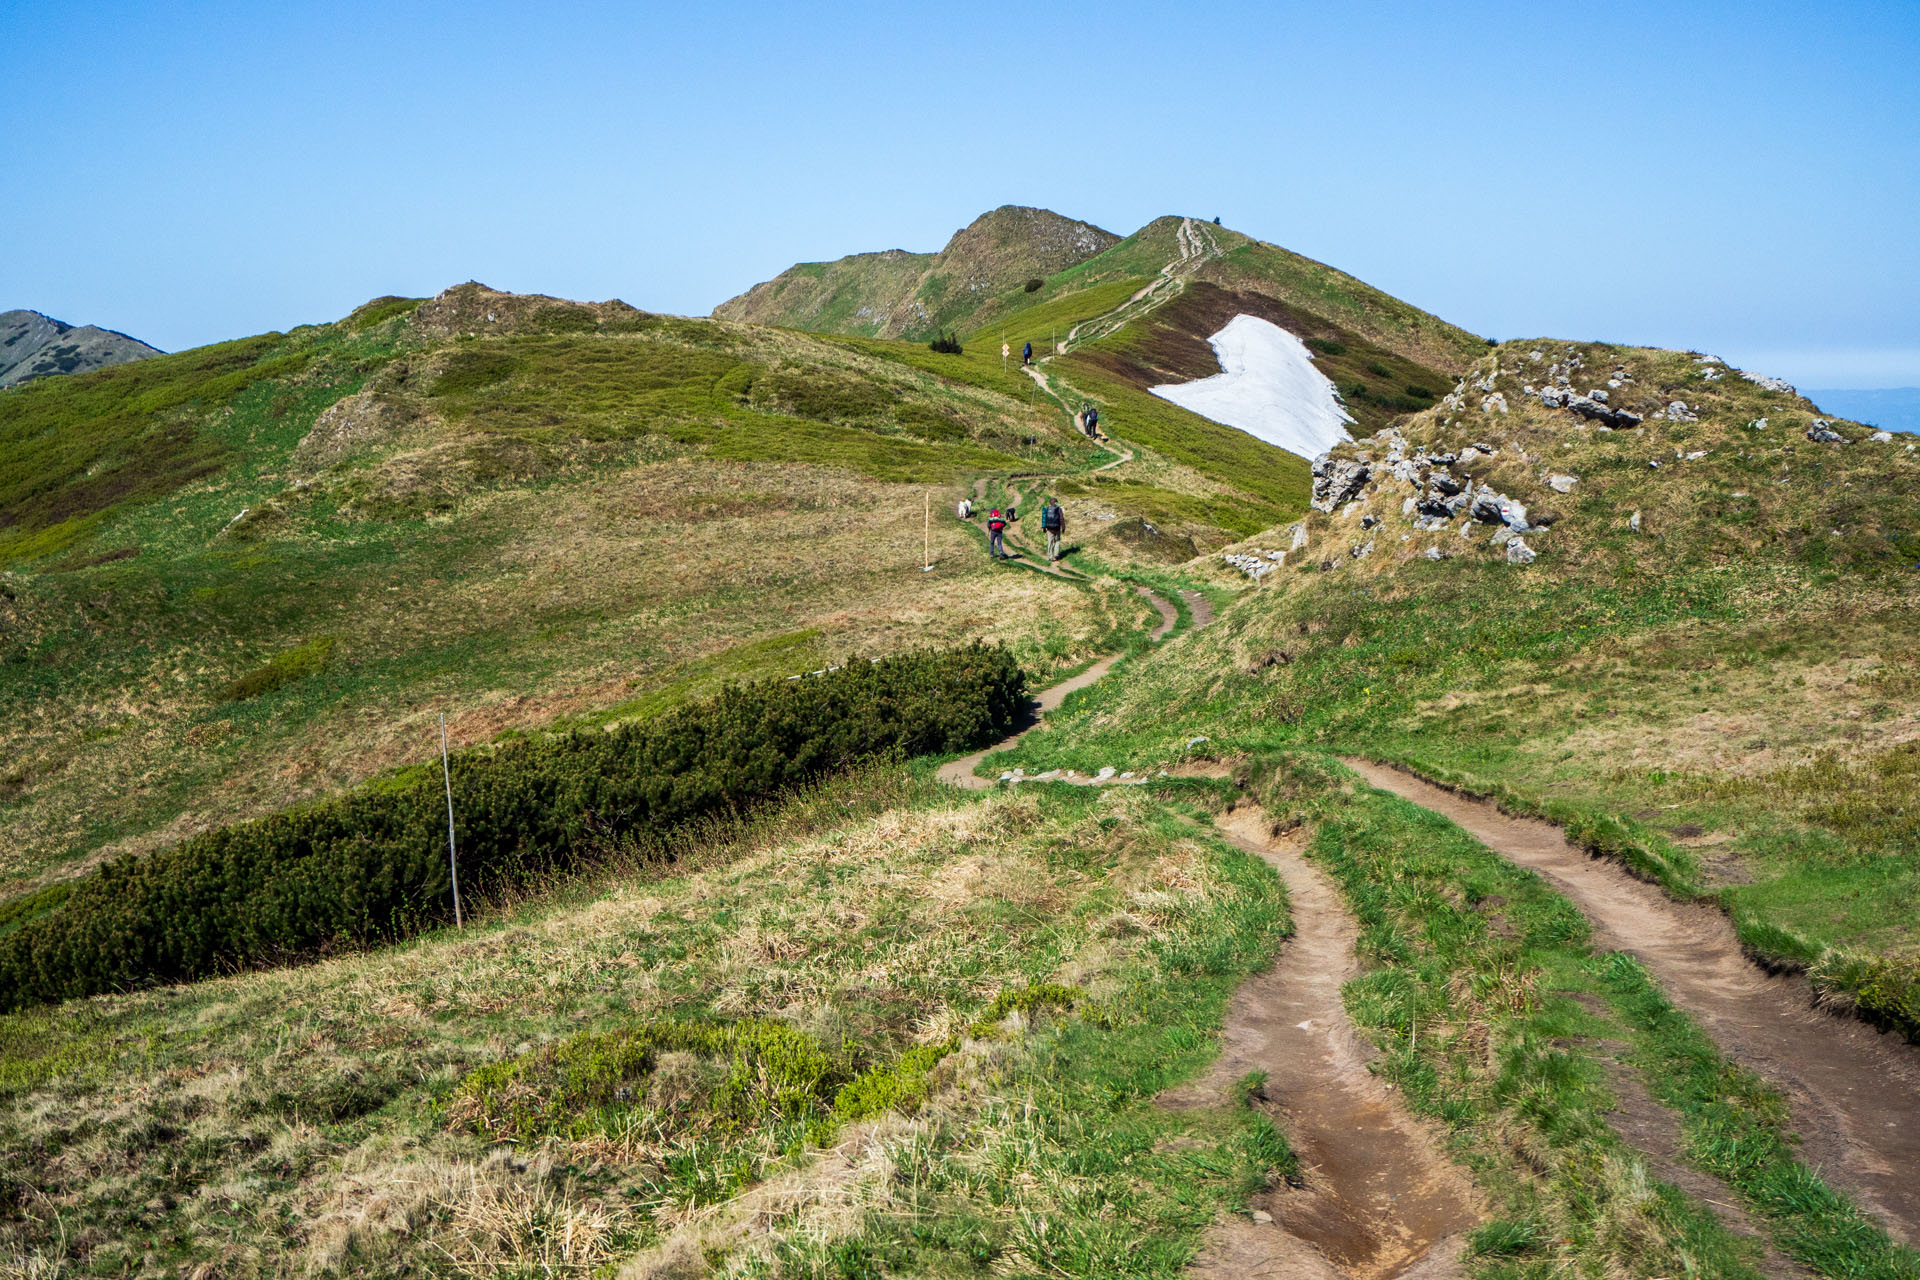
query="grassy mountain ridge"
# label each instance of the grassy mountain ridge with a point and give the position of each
(894, 294)
(1709, 667)
(852, 296)
(893, 1028)
(514, 508)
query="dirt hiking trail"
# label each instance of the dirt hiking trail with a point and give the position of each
(1380, 1200)
(959, 773)
(1854, 1093)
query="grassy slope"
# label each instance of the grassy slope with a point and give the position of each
(300, 1119)
(299, 1122)
(546, 521)
(1731, 690)
(1198, 475)
(851, 295)
(1355, 305)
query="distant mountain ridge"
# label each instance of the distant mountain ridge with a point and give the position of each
(983, 276)
(897, 294)
(33, 345)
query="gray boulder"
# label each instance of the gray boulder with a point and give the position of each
(1822, 432)
(1518, 552)
(1337, 481)
(1489, 507)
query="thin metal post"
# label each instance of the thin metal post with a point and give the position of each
(453, 862)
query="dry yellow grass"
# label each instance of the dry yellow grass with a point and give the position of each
(306, 1095)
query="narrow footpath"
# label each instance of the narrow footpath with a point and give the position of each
(1854, 1093)
(1380, 1200)
(959, 773)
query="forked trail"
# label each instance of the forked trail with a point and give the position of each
(1854, 1093)
(959, 773)
(1381, 1200)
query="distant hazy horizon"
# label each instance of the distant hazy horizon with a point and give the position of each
(1890, 408)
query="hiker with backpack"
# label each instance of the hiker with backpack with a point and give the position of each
(1093, 422)
(1026, 355)
(1053, 519)
(996, 526)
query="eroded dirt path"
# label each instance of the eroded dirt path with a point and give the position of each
(1854, 1093)
(959, 773)
(1380, 1199)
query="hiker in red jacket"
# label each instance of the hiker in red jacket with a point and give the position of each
(996, 525)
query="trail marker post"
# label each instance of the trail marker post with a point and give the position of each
(453, 861)
(926, 503)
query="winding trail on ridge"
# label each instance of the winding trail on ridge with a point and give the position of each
(1196, 247)
(1380, 1199)
(959, 773)
(1853, 1092)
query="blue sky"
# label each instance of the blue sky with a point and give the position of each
(1744, 179)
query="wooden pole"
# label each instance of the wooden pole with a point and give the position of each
(453, 862)
(926, 502)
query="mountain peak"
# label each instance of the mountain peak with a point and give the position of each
(896, 294)
(33, 345)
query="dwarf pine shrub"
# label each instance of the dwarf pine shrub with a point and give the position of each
(371, 865)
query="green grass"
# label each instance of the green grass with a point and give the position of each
(1276, 482)
(1494, 1031)
(1001, 1094)
(1715, 701)
(304, 660)
(75, 449)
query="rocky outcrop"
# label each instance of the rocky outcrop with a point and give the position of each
(1337, 481)
(472, 309)
(1592, 406)
(1821, 432)
(1766, 383)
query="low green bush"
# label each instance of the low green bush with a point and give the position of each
(371, 865)
(305, 660)
(744, 1072)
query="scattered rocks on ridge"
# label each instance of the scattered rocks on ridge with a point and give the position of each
(1592, 406)
(1766, 383)
(1821, 432)
(1337, 480)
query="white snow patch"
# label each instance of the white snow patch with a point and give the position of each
(1269, 389)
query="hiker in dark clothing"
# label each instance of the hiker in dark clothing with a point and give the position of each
(1026, 354)
(996, 525)
(1053, 519)
(1093, 422)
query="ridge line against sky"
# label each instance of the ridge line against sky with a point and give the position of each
(1739, 179)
